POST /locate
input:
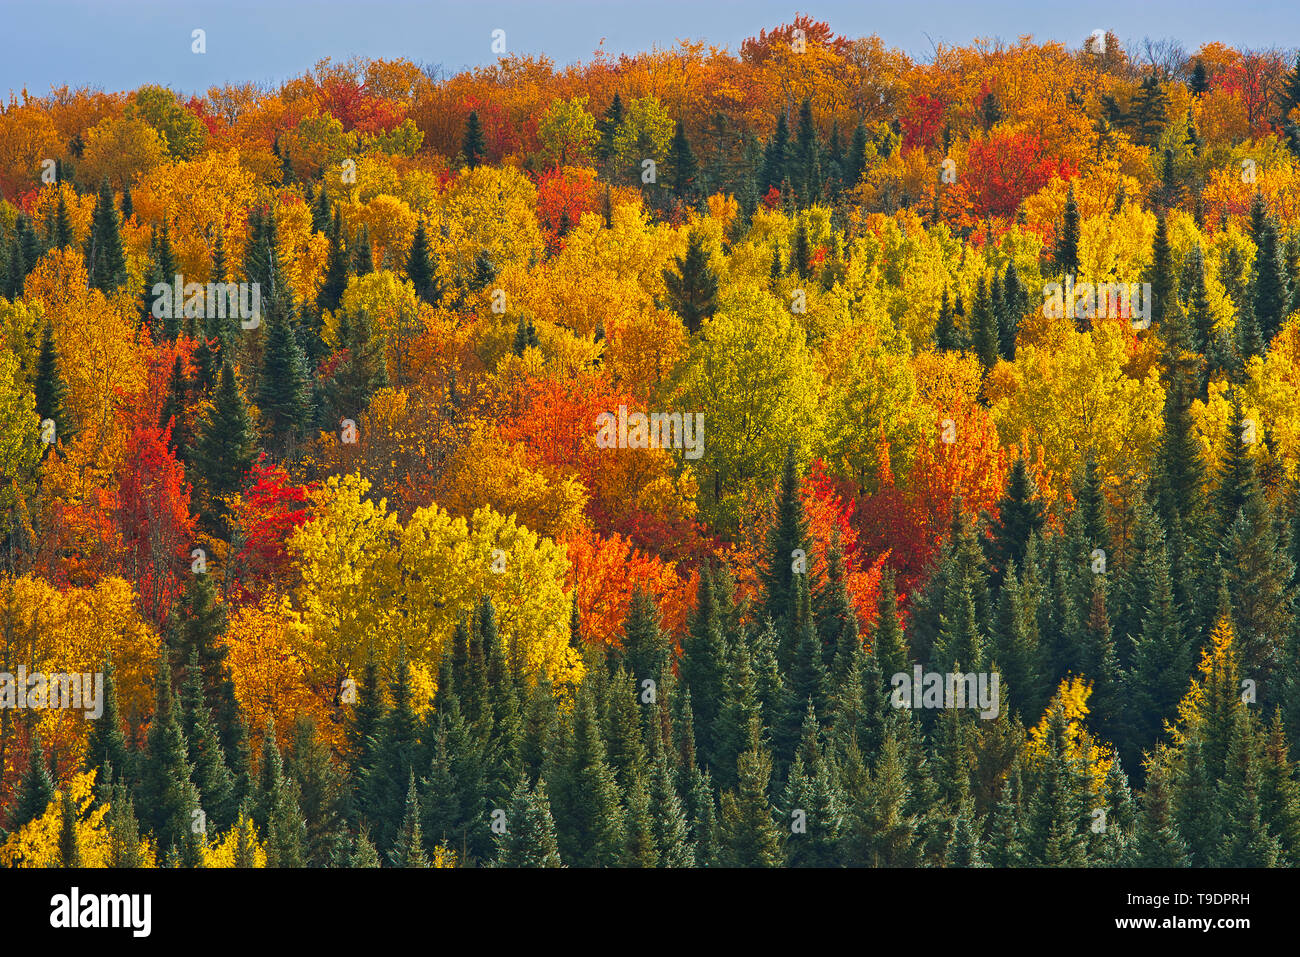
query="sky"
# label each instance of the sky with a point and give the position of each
(123, 44)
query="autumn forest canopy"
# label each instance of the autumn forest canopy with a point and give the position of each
(621, 464)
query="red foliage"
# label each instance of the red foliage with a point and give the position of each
(266, 516)
(603, 571)
(921, 118)
(348, 101)
(1004, 169)
(153, 518)
(758, 49)
(563, 195)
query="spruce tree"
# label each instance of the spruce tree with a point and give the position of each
(35, 790)
(1067, 243)
(49, 387)
(692, 286)
(224, 452)
(529, 840)
(409, 849)
(474, 144)
(104, 257)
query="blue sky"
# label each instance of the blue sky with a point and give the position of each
(122, 44)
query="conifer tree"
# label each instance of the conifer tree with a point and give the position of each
(409, 849)
(692, 286)
(1067, 244)
(776, 157)
(224, 451)
(104, 258)
(49, 387)
(474, 144)
(788, 545)
(35, 790)
(685, 169)
(283, 387)
(529, 840)
(750, 836)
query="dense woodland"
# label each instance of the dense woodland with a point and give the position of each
(365, 590)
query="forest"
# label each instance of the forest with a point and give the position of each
(796, 456)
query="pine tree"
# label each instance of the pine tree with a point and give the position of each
(51, 392)
(224, 451)
(788, 546)
(164, 793)
(592, 828)
(106, 751)
(750, 837)
(338, 268)
(692, 286)
(984, 326)
(529, 840)
(409, 849)
(474, 144)
(776, 157)
(394, 754)
(35, 790)
(123, 829)
(283, 387)
(419, 267)
(1020, 515)
(1054, 835)
(104, 257)
(215, 784)
(1067, 244)
(364, 263)
(685, 169)
(69, 843)
(1245, 841)
(1271, 288)
(855, 162)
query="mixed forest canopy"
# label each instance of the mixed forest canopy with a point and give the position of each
(563, 467)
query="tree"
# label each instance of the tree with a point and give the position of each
(105, 262)
(409, 849)
(473, 145)
(36, 790)
(529, 840)
(750, 837)
(692, 287)
(1067, 242)
(1020, 515)
(685, 170)
(283, 386)
(50, 390)
(224, 452)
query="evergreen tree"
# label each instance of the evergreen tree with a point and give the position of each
(529, 840)
(788, 546)
(35, 790)
(409, 849)
(104, 258)
(224, 451)
(1020, 514)
(750, 837)
(474, 144)
(283, 386)
(49, 387)
(685, 169)
(776, 157)
(692, 287)
(1067, 244)
(69, 843)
